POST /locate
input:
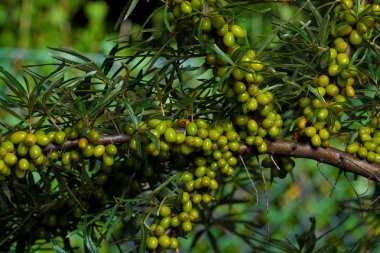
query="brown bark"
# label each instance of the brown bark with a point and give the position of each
(332, 156)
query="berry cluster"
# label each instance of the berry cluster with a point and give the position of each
(213, 147)
(367, 144)
(331, 88)
(355, 22)
(25, 151)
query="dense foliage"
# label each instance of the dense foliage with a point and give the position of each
(178, 122)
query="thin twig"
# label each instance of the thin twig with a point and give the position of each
(266, 202)
(325, 177)
(250, 178)
(55, 124)
(356, 194)
(274, 162)
(113, 122)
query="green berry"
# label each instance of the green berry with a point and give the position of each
(59, 137)
(93, 136)
(238, 31)
(175, 221)
(229, 39)
(23, 164)
(107, 159)
(352, 148)
(165, 211)
(99, 150)
(22, 149)
(111, 150)
(191, 129)
(187, 226)
(186, 7)
(316, 140)
(88, 151)
(174, 243)
(10, 159)
(159, 230)
(8, 146)
(170, 135)
(35, 152)
(18, 137)
(164, 241)
(42, 139)
(152, 243)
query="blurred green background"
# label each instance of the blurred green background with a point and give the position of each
(29, 27)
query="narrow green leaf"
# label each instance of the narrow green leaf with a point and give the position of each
(215, 87)
(10, 111)
(316, 14)
(325, 59)
(370, 67)
(143, 238)
(331, 119)
(71, 52)
(315, 92)
(89, 243)
(56, 247)
(221, 53)
(109, 60)
(152, 138)
(131, 7)
(88, 223)
(137, 138)
(158, 54)
(300, 32)
(132, 114)
(166, 19)
(356, 55)
(163, 185)
(13, 84)
(314, 118)
(5, 190)
(82, 107)
(358, 5)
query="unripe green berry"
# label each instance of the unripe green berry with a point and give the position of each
(99, 150)
(174, 243)
(42, 139)
(165, 211)
(229, 39)
(18, 137)
(35, 152)
(187, 226)
(111, 150)
(23, 164)
(159, 230)
(7, 146)
(59, 137)
(10, 159)
(152, 243)
(88, 151)
(107, 159)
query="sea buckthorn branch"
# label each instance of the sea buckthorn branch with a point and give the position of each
(108, 139)
(333, 156)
